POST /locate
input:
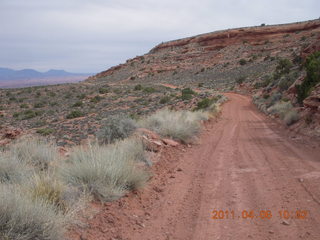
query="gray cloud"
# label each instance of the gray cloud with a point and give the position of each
(90, 36)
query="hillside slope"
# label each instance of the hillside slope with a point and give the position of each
(215, 59)
(269, 61)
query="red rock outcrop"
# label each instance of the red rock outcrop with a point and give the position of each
(313, 101)
(220, 39)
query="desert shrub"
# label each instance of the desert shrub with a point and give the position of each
(75, 114)
(11, 170)
(52, 94)
(78, 104)
(179, 125)
(242, 61)
(240, 79)
(204, 103)
(266, 80)
(312, 66)
(266, 96)
(16, 114)
(81, 96)
(187, 91)
(45, 131)
(275, 97)
(96, 99)
(29, 114)
(24, 105)
(291, 117)
(34, 151)
(115, 128)
(280, 108)
(25, 219)
(39, 105)
(186, 97)
(260, 103)
(149, 90)
(283, 66)
(187, 94)
(285, 83)
(137, 87)
(103, 90)
(107, 171)
(47, 189)
(164, 100)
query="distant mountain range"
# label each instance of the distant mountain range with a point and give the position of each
(31, 77)
(10, 74)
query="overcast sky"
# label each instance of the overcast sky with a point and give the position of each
(93, 35)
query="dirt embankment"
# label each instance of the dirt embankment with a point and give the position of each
(243, 163)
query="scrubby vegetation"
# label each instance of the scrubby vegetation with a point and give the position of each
(25, 219)
(115, 128)
(179, 125)
(107, 172)
(312, 66)
(35, 152)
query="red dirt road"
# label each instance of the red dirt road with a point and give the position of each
(242, 163)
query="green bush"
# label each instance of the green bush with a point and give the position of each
(96, 99)
(28, 114)
(78, 104)
(240, 79)
(39, 105)
(187, 91)
(187, 94)
(81, 96)
(24, 105)
(165, 100)
(138, 87)
(312, 66)
(45, 131)
(242, 61)
(204, 103)
(284, 66)
(115, 128)
(149, 90)
(75, 114)
(103, 90)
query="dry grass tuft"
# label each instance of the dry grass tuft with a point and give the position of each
(34, 151)
(25, 219)
(179, 125)
(109, 171)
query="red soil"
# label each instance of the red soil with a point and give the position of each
(243, 162)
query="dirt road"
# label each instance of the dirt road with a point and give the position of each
(244, 165)
(240, 165)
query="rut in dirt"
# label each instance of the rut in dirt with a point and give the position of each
(246, 168)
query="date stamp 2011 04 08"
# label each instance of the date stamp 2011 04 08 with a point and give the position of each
(261, 214)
